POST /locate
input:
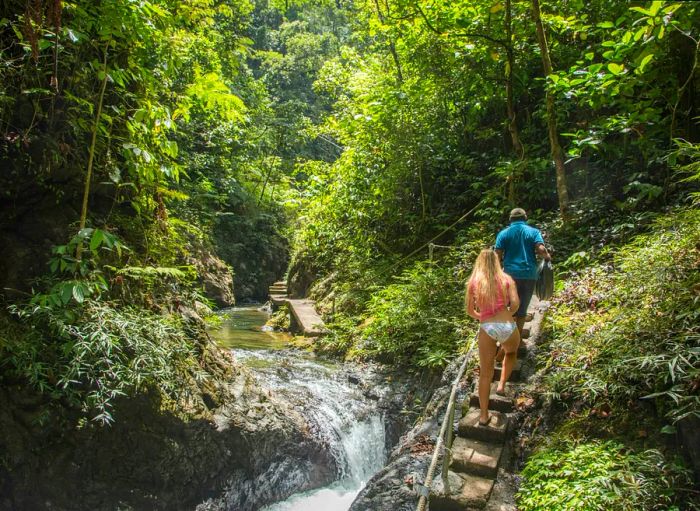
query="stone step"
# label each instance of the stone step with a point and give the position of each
(277, 286)
(522, 349)
(494, 431)
(279, 300)
(514, 375)
(464, 492)
(499, 403)
(280, 283)
(475, 457)
(525, 334)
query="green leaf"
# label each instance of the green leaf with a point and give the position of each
(96, 239)
(660, 31)
(641, 10)
(644, 62)
(655, 6)
(66, 293)
(616, 69)
(78, 293)
(73, 35)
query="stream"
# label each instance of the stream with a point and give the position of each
(336, 410)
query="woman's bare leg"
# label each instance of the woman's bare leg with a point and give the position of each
(511, 349)
(501, 353)
(487, 351)
(520, 322)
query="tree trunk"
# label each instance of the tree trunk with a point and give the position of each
(512, 118)
(392, 47)
(397, 62)
(91, 157)
(557, 153)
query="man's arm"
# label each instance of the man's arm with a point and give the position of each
(543, 252)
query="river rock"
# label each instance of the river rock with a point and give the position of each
(152, 459)
(394, 488)
(215, 276)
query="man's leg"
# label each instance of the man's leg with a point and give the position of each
(525, 289)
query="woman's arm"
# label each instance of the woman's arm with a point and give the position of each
(470, 305)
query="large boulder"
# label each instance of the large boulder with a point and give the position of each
(248, 451)
(216, 277)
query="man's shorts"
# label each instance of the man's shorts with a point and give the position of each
(525, 289)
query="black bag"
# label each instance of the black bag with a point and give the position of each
(545, 280)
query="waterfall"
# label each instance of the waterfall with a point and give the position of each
(337, 412)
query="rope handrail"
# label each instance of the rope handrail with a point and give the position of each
(449, 414)
(465, 215)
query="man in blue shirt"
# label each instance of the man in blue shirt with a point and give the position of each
(517, 245)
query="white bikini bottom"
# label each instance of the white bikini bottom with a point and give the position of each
(499, 330)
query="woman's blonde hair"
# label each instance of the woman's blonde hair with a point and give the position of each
(487, 281)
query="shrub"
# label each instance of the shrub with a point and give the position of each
(97, 353)
(631, 329)
(418, 319)
(595, 475)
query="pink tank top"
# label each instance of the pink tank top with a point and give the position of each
(498, 306)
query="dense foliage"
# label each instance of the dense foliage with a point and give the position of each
(371, 147)
(620, 332)
(619, 367)
(136, 148)
(102, 354)
(599, 476)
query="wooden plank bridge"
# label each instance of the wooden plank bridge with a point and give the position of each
(302, 312)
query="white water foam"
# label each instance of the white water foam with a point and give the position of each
(338, 413)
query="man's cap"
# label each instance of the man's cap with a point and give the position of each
(518, 214)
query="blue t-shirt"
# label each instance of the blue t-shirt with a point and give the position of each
(518, 242)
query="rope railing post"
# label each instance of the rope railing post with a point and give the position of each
(449, 419)
(447, 458)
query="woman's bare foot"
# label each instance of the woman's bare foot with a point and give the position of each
(484, 421)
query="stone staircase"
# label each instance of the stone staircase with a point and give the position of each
(279, 288)
(477, 450)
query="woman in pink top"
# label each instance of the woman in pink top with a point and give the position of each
(491, 298)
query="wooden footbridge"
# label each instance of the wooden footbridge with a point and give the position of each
(302, 312)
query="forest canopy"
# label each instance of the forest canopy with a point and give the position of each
(154, 151)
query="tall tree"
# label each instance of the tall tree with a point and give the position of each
(557, 153)
(512, 115)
